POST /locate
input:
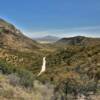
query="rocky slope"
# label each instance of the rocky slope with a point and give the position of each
(12, 38)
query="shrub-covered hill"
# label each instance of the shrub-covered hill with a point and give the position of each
(79, 40)
(11, 37)
(71, 68)
(74, 62)
(17, 49)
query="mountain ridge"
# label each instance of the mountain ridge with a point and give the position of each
(79, 40)
(11, 37)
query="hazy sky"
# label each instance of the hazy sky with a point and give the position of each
(53, 17)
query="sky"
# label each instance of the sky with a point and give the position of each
(63, 18)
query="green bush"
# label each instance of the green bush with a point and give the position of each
(6, 68)
(26, 77)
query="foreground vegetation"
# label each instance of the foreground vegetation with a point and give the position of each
(71, 71)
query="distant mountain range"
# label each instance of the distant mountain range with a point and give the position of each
(47, 39)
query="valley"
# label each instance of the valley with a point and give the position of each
(72, 68)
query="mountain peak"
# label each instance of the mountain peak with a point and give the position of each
(47, 39)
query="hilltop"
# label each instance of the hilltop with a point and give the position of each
(79, 40)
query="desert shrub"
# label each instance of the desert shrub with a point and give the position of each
(26, 77)
(14, 79)
(6, 68)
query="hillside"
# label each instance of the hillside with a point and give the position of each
(79, 40)
(12, 38)
(17, 49)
